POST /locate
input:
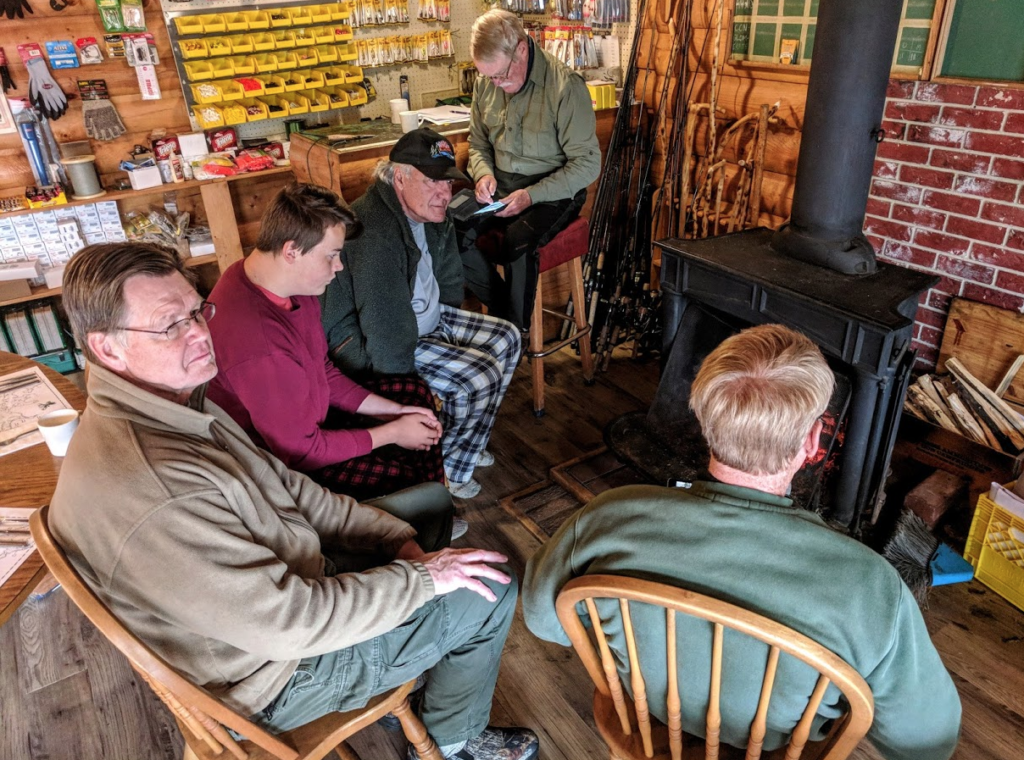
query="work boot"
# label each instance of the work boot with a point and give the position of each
(493, 743)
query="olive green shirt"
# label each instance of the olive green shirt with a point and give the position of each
(548, 128)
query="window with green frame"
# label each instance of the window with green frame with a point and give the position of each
(760, 26)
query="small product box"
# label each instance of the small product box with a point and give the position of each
(21, 270)
(148, 176)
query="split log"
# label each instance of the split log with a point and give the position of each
(1000, 407)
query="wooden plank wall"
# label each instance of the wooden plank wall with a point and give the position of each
(742, 88)
(81, 19)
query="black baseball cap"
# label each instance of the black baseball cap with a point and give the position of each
(429, 152)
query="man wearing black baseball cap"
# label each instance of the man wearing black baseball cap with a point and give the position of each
(394, 308)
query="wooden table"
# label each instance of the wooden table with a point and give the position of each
(27, 480)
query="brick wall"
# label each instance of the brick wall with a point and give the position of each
(948, 196)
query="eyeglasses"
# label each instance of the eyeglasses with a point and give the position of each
(175, 330)
(502, 77)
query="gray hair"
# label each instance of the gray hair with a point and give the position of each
(385, 170)
(495, 34)
(94, 284)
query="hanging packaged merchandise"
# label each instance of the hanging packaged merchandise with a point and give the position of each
(110, 15)
(15, 8)
(5, 74)
(43, 91)
(88, 50)
(115, 45)
(102, 121)
(62, 54)
(132, 16)
(140, 49)
(28, 129)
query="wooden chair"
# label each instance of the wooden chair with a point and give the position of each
(203, 718)
(617, 716)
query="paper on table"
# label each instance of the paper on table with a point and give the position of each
(13, 555)
(24, 396)
(444, 114)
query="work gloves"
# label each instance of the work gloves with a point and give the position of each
(15, 8)
(44, 93)
(102, 121)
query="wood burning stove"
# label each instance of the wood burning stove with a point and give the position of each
(817, 274)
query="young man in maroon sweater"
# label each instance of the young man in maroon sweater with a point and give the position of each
(276, 380)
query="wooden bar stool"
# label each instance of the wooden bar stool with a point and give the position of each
(567, 247)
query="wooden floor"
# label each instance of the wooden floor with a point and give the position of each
(64, 694)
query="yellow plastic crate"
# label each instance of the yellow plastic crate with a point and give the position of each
(218, 46)
(222, 68)
(236, 22)
(235, 114)
(193, 48)
(265, 62)
(301, 16)
(255, 110)
(214, 23)
(356, 95)
(337, 97)
(189, 24)
(287, 60)
(280, 17)
(197, 71)
(208, 116)
(244, 65)
(257, 19)
(275, 108)
(273, 85)
(208, 92)
(284, 39)
(242, 43)
(995, 547)
(326, 53)
(304, 38)
(263, 42)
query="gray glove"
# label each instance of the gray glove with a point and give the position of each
(102, 121)
(43, 91)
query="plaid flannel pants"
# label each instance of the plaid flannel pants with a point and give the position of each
(468, 362)
(388, 468)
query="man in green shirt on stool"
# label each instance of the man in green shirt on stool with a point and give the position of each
(759, 398)
(533, 146)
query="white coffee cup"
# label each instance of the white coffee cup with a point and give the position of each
(57, 428)
(410, 120)
(397, 106)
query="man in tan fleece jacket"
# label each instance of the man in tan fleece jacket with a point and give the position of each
(285, 600)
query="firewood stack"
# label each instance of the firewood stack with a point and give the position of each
(959, 402)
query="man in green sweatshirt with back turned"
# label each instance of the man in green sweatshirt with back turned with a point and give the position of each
(759, 397)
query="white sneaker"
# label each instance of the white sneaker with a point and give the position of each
(459, 528)
(486, 459)
(466, 490)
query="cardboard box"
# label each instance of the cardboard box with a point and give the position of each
(10, 289)
(145, 178)
(21, 270)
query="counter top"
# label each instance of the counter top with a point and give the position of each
(371, 134)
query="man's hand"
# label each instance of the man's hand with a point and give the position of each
(410, 431)
(453, 569)
(485, 187)
(428, 413)
(515, 203)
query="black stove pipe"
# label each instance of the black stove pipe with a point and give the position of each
(853, 51)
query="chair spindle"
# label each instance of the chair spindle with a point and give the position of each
(714, 719)
(416, 733)
(643, 714)
(611, 674)
(798, 740)
(760, 724)
(672, 703)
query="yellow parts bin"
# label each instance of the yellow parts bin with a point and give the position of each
(263, 42)
(193, 48)
(222, 67)
(307, 56)
(207, 92)
(255, 110)
(208, 116)
(321, 13)
(234, 114)
(265, 62)
(301, 16)
(287, 60)
(284, 39)
(318, 101)
(218, 46)
(197, 71)
(356, 95)
(257, 19)
(326, 53)
(244, 64)
(347, 52)
(280, 17)
(242, 43)
(189, 25)
(236, 22)
(214, 23)
(304, 37)
(273, 85)
(995, 547)
(337, 97)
